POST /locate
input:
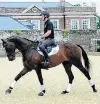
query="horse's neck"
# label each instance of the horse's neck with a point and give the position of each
(22, 44)
(29, 52)
(28, 49)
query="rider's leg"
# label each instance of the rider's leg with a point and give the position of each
(43, 47)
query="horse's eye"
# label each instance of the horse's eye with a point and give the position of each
(4, 45)
(10, 46)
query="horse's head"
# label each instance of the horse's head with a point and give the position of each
(16, 42)
(9, 48)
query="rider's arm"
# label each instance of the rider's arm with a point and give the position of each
(46, 34)
(49, 29)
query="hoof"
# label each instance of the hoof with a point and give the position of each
(94, 90)
(64, 92)
(41, 94)
(8, 91)
(93, 87)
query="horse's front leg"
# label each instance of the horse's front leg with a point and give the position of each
(39, 74)
(22, 73)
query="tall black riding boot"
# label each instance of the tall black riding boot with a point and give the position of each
(47, 60)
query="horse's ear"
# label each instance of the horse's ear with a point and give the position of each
(4, 41)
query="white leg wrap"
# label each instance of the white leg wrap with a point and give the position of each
(13, 84)
(91, 82)
(42, 87)
(69, 87)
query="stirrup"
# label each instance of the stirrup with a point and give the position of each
(46, 63)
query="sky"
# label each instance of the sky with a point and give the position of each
(88, 2)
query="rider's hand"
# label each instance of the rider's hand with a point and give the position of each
(40, 38)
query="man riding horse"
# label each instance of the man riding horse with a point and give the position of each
(68, 54)
(48, 36)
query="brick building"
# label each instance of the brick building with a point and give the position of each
(63, 14)
(81, 20)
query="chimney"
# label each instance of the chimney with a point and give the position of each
(62, 2)
(42, 0)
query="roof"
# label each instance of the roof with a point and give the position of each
(27, 4)
(32, 6)
(25, 23)
(8, 23)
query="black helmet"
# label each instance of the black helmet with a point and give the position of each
(45, 13)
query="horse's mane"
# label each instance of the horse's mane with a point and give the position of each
(35, 43)
(16, 36)
(29, 40)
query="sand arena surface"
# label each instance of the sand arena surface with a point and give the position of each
(55, 80)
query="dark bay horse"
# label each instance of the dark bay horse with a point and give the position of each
(67, 53)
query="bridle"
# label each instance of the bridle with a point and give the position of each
(28, 47)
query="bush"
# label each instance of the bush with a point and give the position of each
(65, 32)
(17, 31)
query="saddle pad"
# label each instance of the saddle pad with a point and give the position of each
(54, 51)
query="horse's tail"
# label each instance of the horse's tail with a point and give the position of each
(85, 57)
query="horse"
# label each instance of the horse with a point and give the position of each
(65, 53)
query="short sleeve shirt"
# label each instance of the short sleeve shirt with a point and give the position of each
(49, 26)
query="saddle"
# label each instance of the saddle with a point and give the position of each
(49, 48)
(53, 49)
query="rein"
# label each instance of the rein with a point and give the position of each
(21, 50)
(26, 48)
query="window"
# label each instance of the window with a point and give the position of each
(95, 43)
(55, 23)
(74, 24)
(36, 24)
(85, 24)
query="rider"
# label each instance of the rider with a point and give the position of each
(48, 35)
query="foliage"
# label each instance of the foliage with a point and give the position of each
(98, 46)
(98, 22)
(98, 25)
(17, 31)
(65, 32)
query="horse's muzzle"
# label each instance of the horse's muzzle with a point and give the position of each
(11, 58)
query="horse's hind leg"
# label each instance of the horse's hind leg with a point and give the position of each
(77, 62)
(67, 65)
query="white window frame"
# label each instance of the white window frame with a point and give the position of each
(95, 41)
(72, 24)
(88, 27)
(22, 20)
(38, 28)
(57, 23)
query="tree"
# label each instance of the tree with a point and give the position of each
(98, 22)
